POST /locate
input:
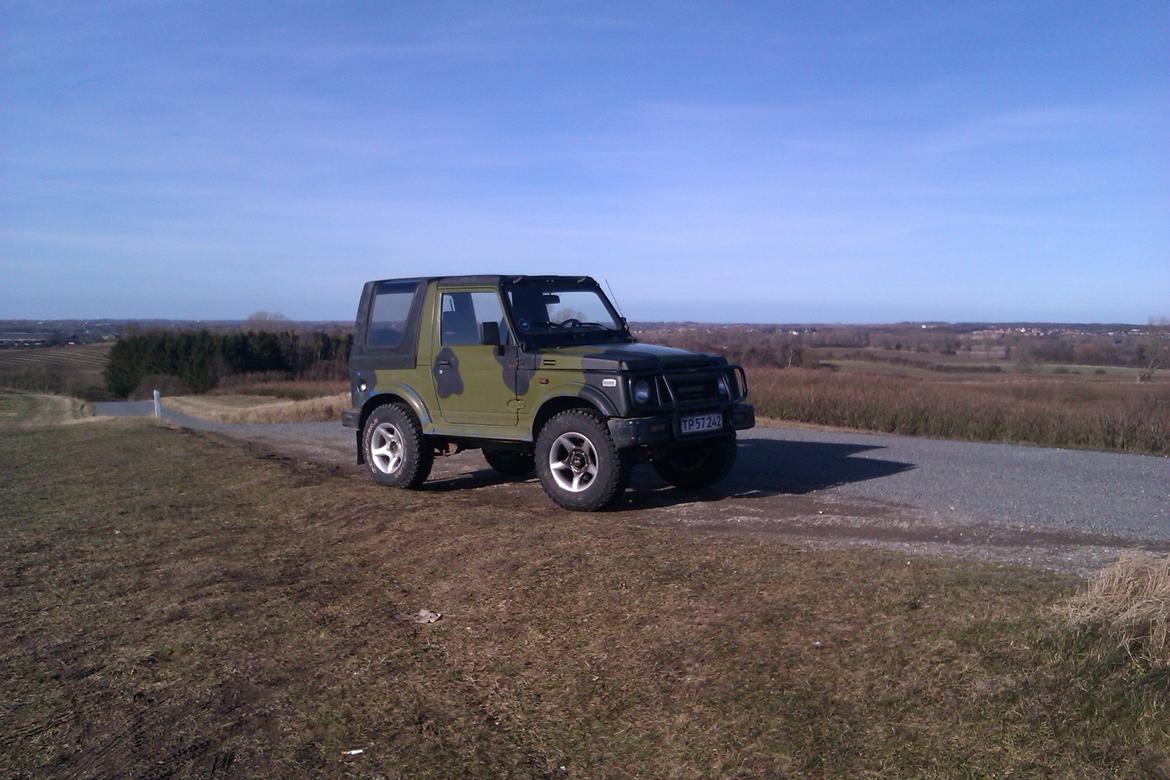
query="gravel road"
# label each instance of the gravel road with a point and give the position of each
(1064, 509)
(1081, 490)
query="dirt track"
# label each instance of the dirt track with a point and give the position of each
(1062, 509)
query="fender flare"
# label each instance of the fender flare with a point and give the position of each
(392, 391)
(598, 399)
(568, 397)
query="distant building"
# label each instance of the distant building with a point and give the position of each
(8, 340)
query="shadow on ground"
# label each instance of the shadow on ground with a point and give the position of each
(764, 467)
(770, 467)
(469, 480)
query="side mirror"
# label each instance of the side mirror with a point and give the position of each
(489, 334)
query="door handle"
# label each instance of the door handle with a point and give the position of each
(443, 363)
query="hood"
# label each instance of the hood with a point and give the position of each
(632, 357)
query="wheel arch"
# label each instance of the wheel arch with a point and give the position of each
(558, 404)
(399, 395)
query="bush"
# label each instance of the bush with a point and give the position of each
(1129, 602)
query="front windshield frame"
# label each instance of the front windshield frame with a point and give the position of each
(567, 336)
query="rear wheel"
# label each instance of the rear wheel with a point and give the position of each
(578, 464)
(396, 452)
(514, 463)
(697, 465)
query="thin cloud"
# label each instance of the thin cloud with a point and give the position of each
(1023, 126)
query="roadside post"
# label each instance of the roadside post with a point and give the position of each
(157, 405)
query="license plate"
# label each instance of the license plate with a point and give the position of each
(698, 423)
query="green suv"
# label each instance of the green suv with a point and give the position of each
(542, 374)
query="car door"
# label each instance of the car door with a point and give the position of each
(474, 382)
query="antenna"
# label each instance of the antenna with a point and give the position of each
(613, 298)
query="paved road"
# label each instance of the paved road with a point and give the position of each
(901, 489)
(1095, 492)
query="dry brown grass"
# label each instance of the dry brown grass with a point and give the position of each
(29, 410)
(258, 409)
(1060, 412)
(280, 386)
(929, 389)
(1129, 603)
(175, 604)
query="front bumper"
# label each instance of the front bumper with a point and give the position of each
(664, 428)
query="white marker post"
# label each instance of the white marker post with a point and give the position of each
(157, 405)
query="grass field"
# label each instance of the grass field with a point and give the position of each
(29, 410)
(1091, 410)
(63, 370)
(1044, 409)
(916, 394)
(290, 389)
(178, 604)
(952, 392)
(872, 358)
(231, 408)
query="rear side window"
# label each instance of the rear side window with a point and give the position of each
(464, 312)
(390, 313)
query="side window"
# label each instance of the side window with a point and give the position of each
(464, 312)
(389, 314)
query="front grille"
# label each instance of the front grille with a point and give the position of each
(686, 389)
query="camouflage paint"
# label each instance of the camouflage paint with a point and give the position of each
(445, 372)
(511, 373)
(468, 378)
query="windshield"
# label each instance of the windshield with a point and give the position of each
(554, 311)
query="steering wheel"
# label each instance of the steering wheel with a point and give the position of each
(570, 322)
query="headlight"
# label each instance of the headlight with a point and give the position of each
(642, 391)
(724, 390)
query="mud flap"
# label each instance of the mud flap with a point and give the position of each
(361, 453)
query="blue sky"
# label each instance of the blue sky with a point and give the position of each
(851, 162)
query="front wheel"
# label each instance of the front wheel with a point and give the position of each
(698, 465)
(396, 452)
(578, 464)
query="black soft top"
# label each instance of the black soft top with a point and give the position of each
(493, 279)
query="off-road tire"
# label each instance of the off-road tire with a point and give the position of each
(612, 469)
(416, 452)
(698, 465)
(514, 463)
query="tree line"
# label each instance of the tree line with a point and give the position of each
(201, 358)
